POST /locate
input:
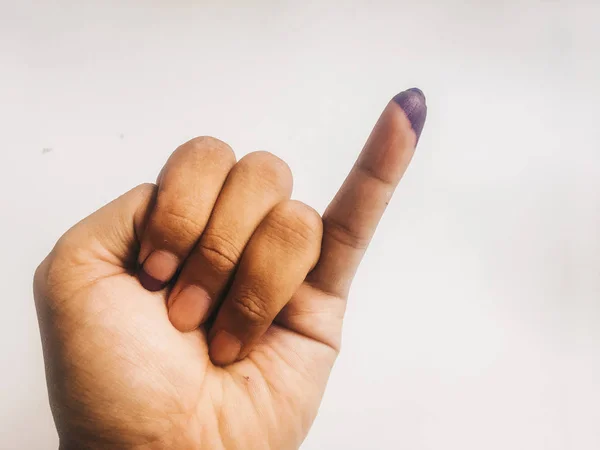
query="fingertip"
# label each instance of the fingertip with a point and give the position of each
(414, 104)
(157, 270)
(189, 308)
(416, 90)
(224, 348)
(148, 282)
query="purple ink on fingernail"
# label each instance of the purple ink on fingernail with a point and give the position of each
(412, 101)
(148, 282)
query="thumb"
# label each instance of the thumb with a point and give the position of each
(104, 243)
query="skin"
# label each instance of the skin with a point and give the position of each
(242, 359)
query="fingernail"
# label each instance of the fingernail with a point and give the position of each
(157, 270)
(189, 308)
(224, 348)
(413, 102)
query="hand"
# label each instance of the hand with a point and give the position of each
(227, 335)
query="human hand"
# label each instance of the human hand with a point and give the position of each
(226, 336)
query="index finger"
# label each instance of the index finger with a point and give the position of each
(352, 217)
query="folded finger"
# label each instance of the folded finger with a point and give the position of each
(188, 187)
(257, 183)
(281, 252)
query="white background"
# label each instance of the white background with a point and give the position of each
(474, 322)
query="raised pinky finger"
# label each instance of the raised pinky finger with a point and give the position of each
(352, 217)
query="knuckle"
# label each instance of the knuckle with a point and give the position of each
(40, 278)
(269, 168)
(307, 216)
(51, 280)
(196, 153)
(204, 142)
(211, 145)
(345, 235)
(297, 223)
(177, 222)
(219, 253)
(146, 193)
(251, 307)
(146, 189)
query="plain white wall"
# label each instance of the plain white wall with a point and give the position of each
(474, 322)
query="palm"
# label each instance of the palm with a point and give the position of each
(169, 374)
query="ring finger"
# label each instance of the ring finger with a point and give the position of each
(282, 251)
